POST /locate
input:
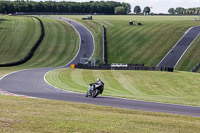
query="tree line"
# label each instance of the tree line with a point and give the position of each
(146, 11)
(107, 7)
(183, 11)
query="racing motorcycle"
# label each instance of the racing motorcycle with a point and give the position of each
(94, 90)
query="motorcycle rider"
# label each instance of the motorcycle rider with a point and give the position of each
(92, 86)
(100, 83)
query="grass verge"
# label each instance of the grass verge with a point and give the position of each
(177, 87)
(37, 115)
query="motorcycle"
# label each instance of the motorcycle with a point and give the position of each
(94, 90)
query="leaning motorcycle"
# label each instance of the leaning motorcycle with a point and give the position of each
(94, 90)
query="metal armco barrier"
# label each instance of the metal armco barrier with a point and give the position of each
(104, 46)
(130, 67)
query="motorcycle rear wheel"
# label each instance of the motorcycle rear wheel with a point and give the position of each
(95, 93)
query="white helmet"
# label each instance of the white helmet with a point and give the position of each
(98, 80)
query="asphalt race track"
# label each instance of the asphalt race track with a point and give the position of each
(86, 49)
(32, 83)
(175, 54)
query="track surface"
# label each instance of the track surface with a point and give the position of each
(176, 53)
(31, 83)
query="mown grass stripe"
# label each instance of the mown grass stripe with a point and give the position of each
(19, 56)
(66, 43)
(5, 41)
(24, 49)
(88, 76)
(124, 81)
(78, 75)
(43, 48)
(177, 87)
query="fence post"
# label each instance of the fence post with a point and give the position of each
(104, 56)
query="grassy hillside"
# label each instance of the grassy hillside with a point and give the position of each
(37, 115)
(146, 44)
(17, 36)
(176, 87)
(59, 46)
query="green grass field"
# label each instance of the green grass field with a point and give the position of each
(36, 115)
(59, 46)
(18, 36)
(177, 87)
(148, 43)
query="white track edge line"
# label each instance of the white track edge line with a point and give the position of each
(79, 42)
(120, 97)
(186, 50)
(17, 72)
(74, 57)
(49, 67)
(56, 86)
(90, 33)
(175, 45)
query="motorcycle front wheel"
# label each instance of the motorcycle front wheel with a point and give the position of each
(86, 95)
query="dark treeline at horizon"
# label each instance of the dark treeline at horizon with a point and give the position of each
(107, 7)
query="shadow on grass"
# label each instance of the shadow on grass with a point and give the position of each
(1, 20)
(4, 20)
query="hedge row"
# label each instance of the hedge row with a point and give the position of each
(30, 54)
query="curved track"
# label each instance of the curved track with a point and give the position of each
(175, 54)
(31, 83)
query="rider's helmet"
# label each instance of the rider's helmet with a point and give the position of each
(98, 80)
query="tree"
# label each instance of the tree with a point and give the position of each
(120, 10)
(127, 7)
(137, 10)
(171, 11)
(146, 10)
(180, 10)
(107, 7)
